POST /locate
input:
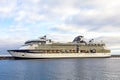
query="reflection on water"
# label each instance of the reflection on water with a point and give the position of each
(61, 69)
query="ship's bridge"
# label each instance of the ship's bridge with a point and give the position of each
(41, 40)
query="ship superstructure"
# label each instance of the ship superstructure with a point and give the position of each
(46, 48)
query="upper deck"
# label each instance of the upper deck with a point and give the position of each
(78, 44)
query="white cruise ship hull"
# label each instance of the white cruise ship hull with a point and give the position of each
(59, 55)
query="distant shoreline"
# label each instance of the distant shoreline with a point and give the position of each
(9, 57)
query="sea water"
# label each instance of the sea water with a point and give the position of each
(61, 69)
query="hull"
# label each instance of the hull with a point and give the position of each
(59, 55)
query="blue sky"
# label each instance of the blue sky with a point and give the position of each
(61, 20)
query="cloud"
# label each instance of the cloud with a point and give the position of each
(7, 43)
(70, 28)
(107, 29)
(7, 8)
(12, 40)
(17, 28)
(63, 19)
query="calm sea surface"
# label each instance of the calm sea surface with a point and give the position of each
(61, 69)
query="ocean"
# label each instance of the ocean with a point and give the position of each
(61, 69)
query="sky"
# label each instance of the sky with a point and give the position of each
(60, 20)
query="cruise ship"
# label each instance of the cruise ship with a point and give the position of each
(46, 48)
